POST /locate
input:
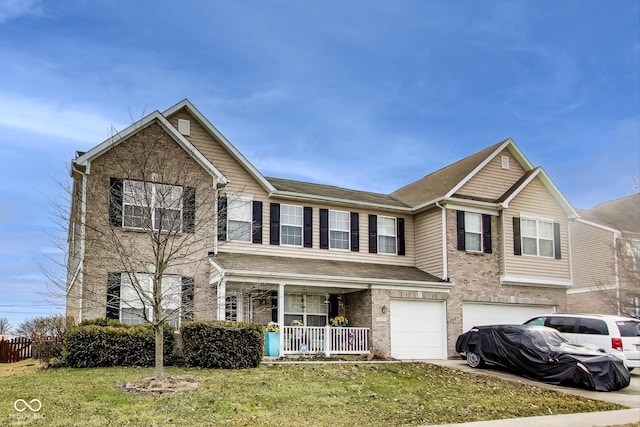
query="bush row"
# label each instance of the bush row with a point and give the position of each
(101, 342)
(92, 345)
(226, 345)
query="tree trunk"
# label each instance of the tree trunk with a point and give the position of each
(159, 368)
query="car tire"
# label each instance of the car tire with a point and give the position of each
(474, 360)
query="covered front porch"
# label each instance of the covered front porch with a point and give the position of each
(319, 307)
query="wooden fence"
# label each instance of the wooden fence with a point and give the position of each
(15, 350)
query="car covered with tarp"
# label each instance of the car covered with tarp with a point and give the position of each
(543, 354)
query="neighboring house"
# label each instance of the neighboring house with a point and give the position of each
(605, 245)
(484, 240)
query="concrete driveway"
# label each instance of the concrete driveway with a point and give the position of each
(628, 396)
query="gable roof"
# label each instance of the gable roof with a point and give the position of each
(226, 144)
(622, 214)
(84, 159)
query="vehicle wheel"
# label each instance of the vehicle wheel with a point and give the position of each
(474, 360)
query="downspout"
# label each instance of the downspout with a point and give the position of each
(445, 258)
(617, 247)
(215, 217)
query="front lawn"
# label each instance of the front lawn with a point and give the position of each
(289, 395)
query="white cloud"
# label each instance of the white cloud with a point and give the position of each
(51, 118)
(11, 9)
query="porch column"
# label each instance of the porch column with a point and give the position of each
(281, 314)
(222, 298)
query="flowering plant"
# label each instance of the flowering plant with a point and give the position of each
(272, 327)
(297, 323)
(339, 321)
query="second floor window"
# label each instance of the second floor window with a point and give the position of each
(473, 231)
(387, 235)
(239, 220)
(339, 226)
(291, 225)
(537, 237)
(153, 205)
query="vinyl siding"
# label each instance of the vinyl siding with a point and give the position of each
(492, 181)
(315, 252)
(428, 242)
(240, 181)
(592, 250)
(535, 200)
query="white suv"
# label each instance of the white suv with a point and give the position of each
(617, 335)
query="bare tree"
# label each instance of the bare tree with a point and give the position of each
(146, 211)
(5, 326)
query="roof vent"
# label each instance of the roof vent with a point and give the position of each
(184, 127)
(505, 162)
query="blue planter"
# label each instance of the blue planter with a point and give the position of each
(272, 344)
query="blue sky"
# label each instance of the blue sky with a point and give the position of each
(362, 94)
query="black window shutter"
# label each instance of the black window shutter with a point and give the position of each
(274, 223)
(274, 306)
(115, 202)
(355, 232)
(517, 240)
(187, 299)
(401, 241)
(373, 234)
(307, 226)
(222, 218)
(188, 209)
(460, 230)
(113, 296)
(556, 240)
(256, 227)
(324, 228)
(486, 233)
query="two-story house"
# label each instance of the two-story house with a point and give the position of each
(605, 244)
(483, 240)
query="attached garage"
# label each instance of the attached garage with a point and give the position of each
(418, 329)
(479, 314)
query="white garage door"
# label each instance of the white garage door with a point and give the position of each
(477, 314)
(418, 329)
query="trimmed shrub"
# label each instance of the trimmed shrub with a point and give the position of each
(92, 344)
(226, 345)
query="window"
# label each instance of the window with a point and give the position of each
(291, 225)
(311, 310)
(339, 226)
(473, 231)
(136, 299)
(633, 252)
(231, 308)
(537, 237)
(386, 235)
(151, 205)
(239, 219)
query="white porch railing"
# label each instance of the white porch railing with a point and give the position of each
(324, 339)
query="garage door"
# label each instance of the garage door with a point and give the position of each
(477, 314)
(418, 329)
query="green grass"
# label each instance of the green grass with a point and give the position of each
(287, 395)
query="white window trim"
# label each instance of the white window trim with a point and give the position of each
(537, 237)
(300, 226)
(151, 205)
(305, 313)
(480, 233)
(230, 199)
(395, 234)
(348, 230)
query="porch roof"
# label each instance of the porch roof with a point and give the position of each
(274, 267)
